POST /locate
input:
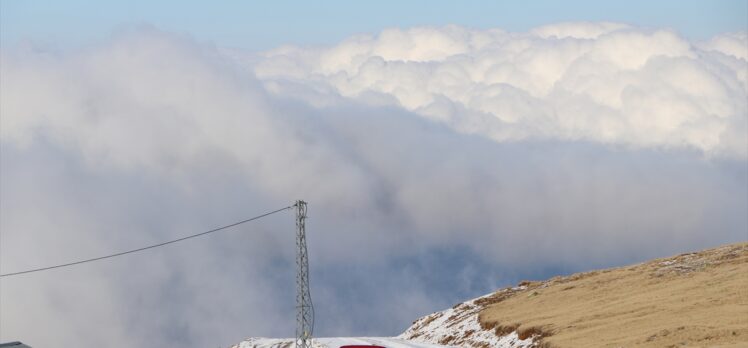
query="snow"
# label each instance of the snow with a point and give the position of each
(335, 342)
(460, 326)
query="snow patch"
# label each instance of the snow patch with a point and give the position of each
(460, 326)
(334, 342)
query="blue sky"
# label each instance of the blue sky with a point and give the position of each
(266, 24)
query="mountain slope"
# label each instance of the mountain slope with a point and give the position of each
(690, 300)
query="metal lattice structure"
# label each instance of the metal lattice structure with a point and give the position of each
(304, 308)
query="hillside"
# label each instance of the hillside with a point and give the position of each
(691, 300)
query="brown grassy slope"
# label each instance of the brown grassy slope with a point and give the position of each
(691, 300)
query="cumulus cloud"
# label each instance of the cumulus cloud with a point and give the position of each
(599, 82)
(439, 163)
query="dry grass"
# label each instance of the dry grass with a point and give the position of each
(532, 332)
(503, 330)
(447, 340)
(691, 300)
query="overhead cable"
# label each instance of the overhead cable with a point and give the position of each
(144, 248)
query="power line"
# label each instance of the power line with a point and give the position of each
(146, 247)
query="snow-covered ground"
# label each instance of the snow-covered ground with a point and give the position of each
(454, 327)
(459, 326)
(335, 342)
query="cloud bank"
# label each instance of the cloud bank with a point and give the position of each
(439, 163)
(599, 82)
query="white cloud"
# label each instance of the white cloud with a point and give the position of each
(598, 82)
(731, 44)
(578, 30)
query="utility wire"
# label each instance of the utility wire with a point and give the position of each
(144, 248)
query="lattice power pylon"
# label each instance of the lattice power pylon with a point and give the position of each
(304, 307)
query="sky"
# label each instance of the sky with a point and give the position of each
(263, 25)
(445, 152)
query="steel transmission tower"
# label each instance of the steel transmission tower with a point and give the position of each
(304, 307)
